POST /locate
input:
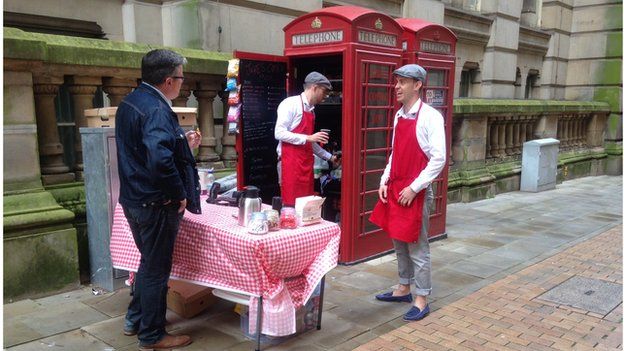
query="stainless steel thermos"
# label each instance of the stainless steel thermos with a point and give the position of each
(248, 203)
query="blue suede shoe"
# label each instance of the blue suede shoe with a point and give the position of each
(387, 297)
(415, 314)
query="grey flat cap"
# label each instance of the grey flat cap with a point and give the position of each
(318, 79)
(412, 71)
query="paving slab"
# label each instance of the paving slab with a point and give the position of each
(75, 340)
(110, 332)
(480, 270)
(20, 308)
(113, 304)
(61, 318)
(366, 281)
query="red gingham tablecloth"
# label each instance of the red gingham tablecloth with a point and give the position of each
(211, 249)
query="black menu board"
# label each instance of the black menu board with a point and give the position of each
(263, 87)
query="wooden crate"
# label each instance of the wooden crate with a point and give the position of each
(105, 117)
(187, 299)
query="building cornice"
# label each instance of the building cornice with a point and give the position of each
(469, 27)
(533, 40)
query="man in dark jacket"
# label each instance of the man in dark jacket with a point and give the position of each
(158, 181)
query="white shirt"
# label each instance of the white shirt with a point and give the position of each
(161, 94)
(289, 115)
(431, 137)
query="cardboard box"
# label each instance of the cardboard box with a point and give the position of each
(105, 117)
(100, 117)
(187, 299)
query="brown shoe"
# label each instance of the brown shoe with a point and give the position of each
(168, 342)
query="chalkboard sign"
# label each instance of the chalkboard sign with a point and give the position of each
(263, 87)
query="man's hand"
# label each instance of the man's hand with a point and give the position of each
(182, 206)
(193, 137)
(383, 193)
(318, 137)
(406, 196)
(335, 160)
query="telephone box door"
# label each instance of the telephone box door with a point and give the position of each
(263, 87)
(372, 132)
(438, 94)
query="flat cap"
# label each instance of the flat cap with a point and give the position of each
(411, 71)
(318, 79)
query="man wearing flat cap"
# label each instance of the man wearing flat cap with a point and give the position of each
(418, 156)
(297, 142)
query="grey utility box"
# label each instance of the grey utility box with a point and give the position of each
(539, 165)
(99, 153)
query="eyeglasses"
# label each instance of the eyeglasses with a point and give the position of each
(178, 77)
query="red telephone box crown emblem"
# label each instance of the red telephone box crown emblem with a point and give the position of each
(378, 24)
(316, 23)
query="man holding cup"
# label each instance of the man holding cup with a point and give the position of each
(297, 142)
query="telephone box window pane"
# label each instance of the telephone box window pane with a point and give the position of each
(378, 96)
(375, 161)
(435, 97)
(367, 225)
(376, 139)
(370, 200)
(378, 73)
(376, 118)
(436, 78)
(371, 181)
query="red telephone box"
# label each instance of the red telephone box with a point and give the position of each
(432, 46)
(357, 49)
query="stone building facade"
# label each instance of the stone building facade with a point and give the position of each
(525, 69)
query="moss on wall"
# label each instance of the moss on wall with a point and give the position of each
(475, 106)
(61, 49)
(40, 263)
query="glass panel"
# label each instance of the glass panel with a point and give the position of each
(436, 78)
(370, 181)
(435, 97)
(377, 118)
(378, 96)
(378, 73)
(374, 161)
(376, 139)
(370, 200)
(367, 225)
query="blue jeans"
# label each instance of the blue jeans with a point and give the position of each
(154, 229)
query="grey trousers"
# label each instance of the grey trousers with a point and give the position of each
(414, 259)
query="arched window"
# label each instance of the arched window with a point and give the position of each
(532, 81)
(470, 75)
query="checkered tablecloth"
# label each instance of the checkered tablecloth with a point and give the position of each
(211, 249)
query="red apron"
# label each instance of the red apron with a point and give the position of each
(408, 160)
(298, 163)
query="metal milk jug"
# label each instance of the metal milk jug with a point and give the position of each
(248, 203)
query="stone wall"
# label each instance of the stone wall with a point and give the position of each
(488, 135)
(45, 235)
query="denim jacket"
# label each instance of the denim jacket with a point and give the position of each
(155, 162)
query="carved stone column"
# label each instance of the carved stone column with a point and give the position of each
(82, 89)
(182, 99)
(509, 142)
(488, 144)
(53, 169)
(205, 95)
(228, 142)
(118, 88)
(517, 147)
(494, 138)
(523, 128)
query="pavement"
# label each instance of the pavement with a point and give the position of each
(521, 271)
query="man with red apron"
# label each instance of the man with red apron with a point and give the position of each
(294, 129)
(418, 156)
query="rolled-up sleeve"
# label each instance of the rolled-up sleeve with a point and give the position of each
(436, 150)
